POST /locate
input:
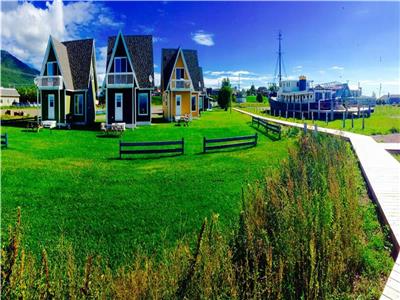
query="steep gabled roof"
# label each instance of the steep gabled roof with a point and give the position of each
(80, 55)
(63, 62)
(190, 56)
(74, 59)
(140, 49)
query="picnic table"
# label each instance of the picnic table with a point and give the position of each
(49, 124)
(185, 119)
(113, 128)
(34, 126)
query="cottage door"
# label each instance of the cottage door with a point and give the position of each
(51, 104)
(178, 101)
(118, 107)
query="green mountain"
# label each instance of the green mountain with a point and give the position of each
(15, 72)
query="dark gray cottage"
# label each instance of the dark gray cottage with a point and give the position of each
(67, 84)
(129, 79)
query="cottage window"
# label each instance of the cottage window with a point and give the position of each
(143, 104)
(120, 65)
(78, 104)
(51, 68)
(180, 73)
(193, 106)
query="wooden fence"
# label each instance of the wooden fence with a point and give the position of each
(4, 140)
(126, 147)
(221, 143)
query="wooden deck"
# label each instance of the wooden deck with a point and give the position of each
(382, 174)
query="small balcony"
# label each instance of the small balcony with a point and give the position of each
(120, 80)
(49, 82)
(180, 84)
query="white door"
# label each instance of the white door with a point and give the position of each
(178, 101)
(51, 104)
(118, 107)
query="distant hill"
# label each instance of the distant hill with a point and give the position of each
(15, 72)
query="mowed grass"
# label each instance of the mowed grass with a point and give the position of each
(252, 99)
(70, 184)
(385, 120)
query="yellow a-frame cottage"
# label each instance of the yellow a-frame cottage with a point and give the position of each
(182, 83)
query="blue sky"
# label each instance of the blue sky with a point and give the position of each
(326, 41)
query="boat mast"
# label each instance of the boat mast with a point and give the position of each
(280, 58)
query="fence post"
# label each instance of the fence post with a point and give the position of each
(120, 155)
(305, 128)
(326, 117)
(312, 117)
(363, 124)
(255, 139)
(352, 120)
(286, 114)
(315, 129)
(183, 145)
(343, 122)
(204, 144)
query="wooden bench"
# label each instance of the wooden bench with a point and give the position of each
(267, 125)
(126, 147)
(34, 125)
(4, 140)
(250, 140)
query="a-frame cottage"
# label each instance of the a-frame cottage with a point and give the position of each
(182, 83)
(67, 84)
(129, 79)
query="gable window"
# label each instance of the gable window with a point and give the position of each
(120, 65)
(193, 106)
(180, 73)
(78, 104)
(51, 68)
(143, 104)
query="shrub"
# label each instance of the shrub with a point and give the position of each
(224, 97)
(259, 98)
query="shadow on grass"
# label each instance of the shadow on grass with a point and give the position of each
(272, 137)
(108, 136)
(227, 150)
(147, 157)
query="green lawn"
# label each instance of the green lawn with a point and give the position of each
(385, 120)
(156, 100)
(70, 184)
(252, 99)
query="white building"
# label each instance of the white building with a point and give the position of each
(8, 96)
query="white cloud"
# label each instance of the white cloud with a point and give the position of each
(101, 60)
(157, 39)
(247, 78)
(157, 78)
(339, 68)
(203, 38)
(26, 28)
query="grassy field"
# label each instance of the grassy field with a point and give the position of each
(385, 120)
(156, 100)
(70, 184)
(252, 99)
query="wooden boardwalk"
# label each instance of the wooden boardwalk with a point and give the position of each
(382, 174)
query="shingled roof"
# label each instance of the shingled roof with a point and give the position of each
(79, 55)
(168, 60)
(140, 49)
(74, 58)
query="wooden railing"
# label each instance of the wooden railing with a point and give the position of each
(180, 84)
(120, 79)
(55, 82)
